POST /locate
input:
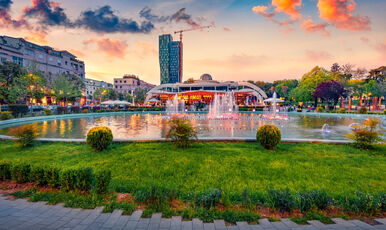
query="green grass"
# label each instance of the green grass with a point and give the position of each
(233, 167)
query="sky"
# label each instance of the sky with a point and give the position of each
(260, 40)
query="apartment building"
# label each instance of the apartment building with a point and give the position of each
(129, 83)
(93, 85)
(46, 59)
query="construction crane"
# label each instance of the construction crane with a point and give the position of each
(182, 31)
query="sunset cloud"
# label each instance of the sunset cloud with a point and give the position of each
(143, 49)
(111, 47)
(289, 7)
(339, 13)
(179, 16)
(6, 20)
(37, 37)
(309, 26)
(317, 56)
(48, 13)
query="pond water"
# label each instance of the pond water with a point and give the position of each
(155, 125)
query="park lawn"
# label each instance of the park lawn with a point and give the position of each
(233, 167)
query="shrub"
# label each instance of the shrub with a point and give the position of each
(319, 109)
(62, 110)
(20, 172)
(26, 134)
(269, 136)
(154, 194)
(68, 179)
(384, 111)
(99, 138)
(367, 135)
(282, 200)
(75, 109)
(5, 116)
(314, 199)
(234, 216)
(209, 198)
(342, 110)
(102, 181)
(116, 109)
(362, 202)
(38, 175)
(52, 176)
(5, 170)
(48, 112)
(299, 110)
(362, 110)
(85, 111)
(18, 110)
(181, 132)
(84, 178)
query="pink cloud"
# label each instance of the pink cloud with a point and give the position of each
(289, 7)
(111, 47)
(309, 26)
(317, 56)
(339, 13)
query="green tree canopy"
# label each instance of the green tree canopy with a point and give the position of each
(67, 87)
(13, 84)
(309, 82)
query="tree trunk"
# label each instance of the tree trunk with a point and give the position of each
(349, 103)
(360, 101)
(375, 103)
(316, 102)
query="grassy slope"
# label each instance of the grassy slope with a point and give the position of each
(339, 169)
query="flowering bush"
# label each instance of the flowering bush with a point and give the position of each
(181, 132)
(342, 110)
(362, 110)
(319, 109)
(5, 116)
(269, 136)
(26, 134)
(366, 135)
(99, 138)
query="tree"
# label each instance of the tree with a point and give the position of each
(67, 87)
(106, 94)
(309, 82)
(360, 73)
(139, 95)
(12, 82)
(36, 85)
(335, 68)
(378, 74)
(284, 87)
(329, 91)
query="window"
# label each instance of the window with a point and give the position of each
(124, 81)
(59, 62)
(116, 87)
(29, 52)
(18, 60)
(65, 62)
(50, 59)
(3, 59)
(40, 56)
(120, 87)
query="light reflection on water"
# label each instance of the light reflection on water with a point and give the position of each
(150, 126)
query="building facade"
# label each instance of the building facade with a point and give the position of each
(44, 58)
(93, 85)
(129, 83)
(205, 89)
(170, 59)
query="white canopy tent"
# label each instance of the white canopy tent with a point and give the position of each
(116, 102)
(271, 100)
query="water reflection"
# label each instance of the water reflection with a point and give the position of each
(129, 126)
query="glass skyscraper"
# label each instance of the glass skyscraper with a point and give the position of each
(169, 59)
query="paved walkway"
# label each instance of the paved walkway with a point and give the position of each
(21, 214)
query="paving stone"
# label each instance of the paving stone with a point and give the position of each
(186, 225)
(380, 227)
(103, 217)
(121, 222)
(279, 225)
(361, 224)
(209, 226)
(382, 221)
(136, 215)
(289, 223)
(345, 223)
(156, 218)
(130, 225)
(255, 227)
(143, 223)
(175, 223)
(219, 224)
(165, 223)
(265, 223)
(197, 224)
(113, 218)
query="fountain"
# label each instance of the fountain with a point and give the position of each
(223, 107)
(271, 113)
(175, 106)
(326, 128)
